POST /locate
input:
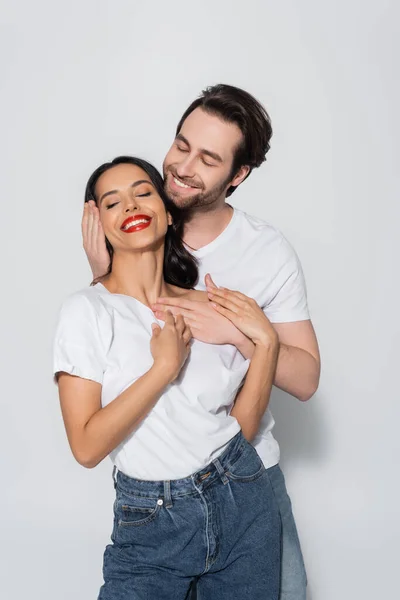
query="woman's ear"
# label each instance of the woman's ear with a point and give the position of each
(169, 219)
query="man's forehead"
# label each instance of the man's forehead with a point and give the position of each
(207, 131)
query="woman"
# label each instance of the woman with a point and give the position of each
(193, 500)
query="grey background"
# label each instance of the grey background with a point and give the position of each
(84, 81)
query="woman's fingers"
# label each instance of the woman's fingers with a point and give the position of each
(179, 324)
(168, 318)
(187, 335)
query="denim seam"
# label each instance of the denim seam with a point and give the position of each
(207, 566)
(245, 479)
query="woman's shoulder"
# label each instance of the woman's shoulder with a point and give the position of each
(84, 297)
(84, 304)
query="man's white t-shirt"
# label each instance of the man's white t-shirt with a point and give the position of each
(105, 337)
(254, 258)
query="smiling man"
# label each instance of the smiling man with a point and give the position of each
(221, 137)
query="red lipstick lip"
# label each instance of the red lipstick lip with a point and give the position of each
(135, 218)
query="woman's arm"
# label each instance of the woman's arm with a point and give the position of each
(93, 432)
(252, 400)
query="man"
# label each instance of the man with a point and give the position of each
(221, 137)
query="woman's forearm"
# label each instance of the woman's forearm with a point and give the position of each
(252, 400)
(111, 425)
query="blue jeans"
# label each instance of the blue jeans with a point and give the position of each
(220, 527)
(293, 575)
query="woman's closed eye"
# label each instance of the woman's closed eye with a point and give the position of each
(144, 195)
(111, 205)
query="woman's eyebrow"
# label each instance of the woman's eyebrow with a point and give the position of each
(134, 184)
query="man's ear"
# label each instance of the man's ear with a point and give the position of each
(240, 175)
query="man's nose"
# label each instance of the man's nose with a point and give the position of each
(186, 167)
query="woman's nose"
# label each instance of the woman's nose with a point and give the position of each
(131, 204)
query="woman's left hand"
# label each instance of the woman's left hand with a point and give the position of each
(245, 314)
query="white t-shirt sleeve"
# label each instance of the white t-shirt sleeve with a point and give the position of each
(78, 347)
(289, 301)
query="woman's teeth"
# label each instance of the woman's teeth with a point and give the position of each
(134, 223)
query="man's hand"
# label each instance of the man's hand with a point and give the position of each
(94, 241)
(204, 321)
(245, 314)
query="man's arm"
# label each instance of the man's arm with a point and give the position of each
(299, 365)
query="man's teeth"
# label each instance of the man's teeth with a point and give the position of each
(180, 183)
(133, 223)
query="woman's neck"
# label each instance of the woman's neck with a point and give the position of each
(138, 274)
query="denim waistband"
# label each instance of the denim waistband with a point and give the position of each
(191, 485)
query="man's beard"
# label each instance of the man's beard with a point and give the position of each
(202, 199)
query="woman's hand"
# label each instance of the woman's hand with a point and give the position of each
(245, 314)
(94, 240)
(170, 346)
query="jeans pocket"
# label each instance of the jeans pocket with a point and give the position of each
(136, 512)
(248, 467)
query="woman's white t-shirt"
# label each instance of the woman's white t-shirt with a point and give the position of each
(105, 337)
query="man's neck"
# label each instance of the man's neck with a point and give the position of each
(203, 227)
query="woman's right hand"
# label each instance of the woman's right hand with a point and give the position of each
(170, 346)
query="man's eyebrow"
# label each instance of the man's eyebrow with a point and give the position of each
(213, 155)
(134, 184)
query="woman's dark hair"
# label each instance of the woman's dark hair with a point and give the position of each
(234, 105)
(180, 267)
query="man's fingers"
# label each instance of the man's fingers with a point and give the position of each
(232, 316)
(178, 303)
(225, 302)
(95, 229)
(160, 309)
(208, 280)
(85, 222)
(90, 225)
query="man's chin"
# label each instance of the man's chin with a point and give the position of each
(180, 201)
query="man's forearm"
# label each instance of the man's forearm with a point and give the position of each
(297, 372)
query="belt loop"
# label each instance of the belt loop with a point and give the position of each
(114, 476)
(167, 494)
(221, 471)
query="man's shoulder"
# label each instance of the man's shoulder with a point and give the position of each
(259, 230)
